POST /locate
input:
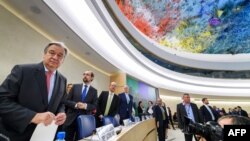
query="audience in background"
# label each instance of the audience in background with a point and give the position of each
(81, 100)
(150, 109)
(125, 105)
(140, 110)
(33, 94)
(108, 104)
(241, 112)
(69, 86)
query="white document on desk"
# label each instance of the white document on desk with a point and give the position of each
(44, 133)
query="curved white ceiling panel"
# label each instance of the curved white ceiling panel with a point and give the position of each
(86, 22)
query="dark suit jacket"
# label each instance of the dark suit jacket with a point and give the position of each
(74, 96)
(124, 106)
(26, 95)
(158, 116)
(206, 114)
(181, 113)
(243, 113)
(102, 101)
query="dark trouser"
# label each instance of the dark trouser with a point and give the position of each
(71, 131)
(124, 117)
(15, 136)
(188, 137)
(161, 132)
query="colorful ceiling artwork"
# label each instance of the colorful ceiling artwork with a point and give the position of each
(196, 26)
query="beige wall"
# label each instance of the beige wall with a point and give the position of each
(172, 98)
(21, 44)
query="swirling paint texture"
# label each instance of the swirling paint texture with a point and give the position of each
(197, 26)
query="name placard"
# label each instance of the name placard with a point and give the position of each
(106, 133)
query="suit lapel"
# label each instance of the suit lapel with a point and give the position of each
(41, 80)
(183, 110)
(78, 92)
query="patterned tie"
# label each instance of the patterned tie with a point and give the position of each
(48, 76)
(84, 92)
(108, 105)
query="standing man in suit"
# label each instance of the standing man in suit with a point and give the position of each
(108, 104)
(82, 100)
(190, 110)
(207, 111)
(160, 119)
(241, 112)
(126, 105)
(34, 94)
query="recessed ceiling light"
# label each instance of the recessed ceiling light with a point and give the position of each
(35, 9)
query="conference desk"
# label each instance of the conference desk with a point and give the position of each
(141, 131)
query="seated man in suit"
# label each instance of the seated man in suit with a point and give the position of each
(207, 111)
(126, 104)
(33, 94)
(190, 110)
(108, 104)
(82, 100)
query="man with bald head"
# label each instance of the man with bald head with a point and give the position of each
(108, 103)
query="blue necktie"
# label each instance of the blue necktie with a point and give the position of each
(84, 92)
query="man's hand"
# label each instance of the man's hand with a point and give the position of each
(81, 105)
(101, 116)
(60, 118)
(46, 118)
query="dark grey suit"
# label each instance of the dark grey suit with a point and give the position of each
(74, 96)
(206, 114)
(162, 123)
(25, 95)
(181, 113)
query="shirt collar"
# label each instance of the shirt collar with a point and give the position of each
(46, 70)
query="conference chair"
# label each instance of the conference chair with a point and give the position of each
(110, 120)
(86, 126)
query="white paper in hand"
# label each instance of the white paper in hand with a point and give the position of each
(44, 133)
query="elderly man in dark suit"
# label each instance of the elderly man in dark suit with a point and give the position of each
(190, 110)
(208, 112)
(82, 100)
(108, 103)
(126, 105)
(34, 94)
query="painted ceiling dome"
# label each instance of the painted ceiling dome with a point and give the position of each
(195, 26)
